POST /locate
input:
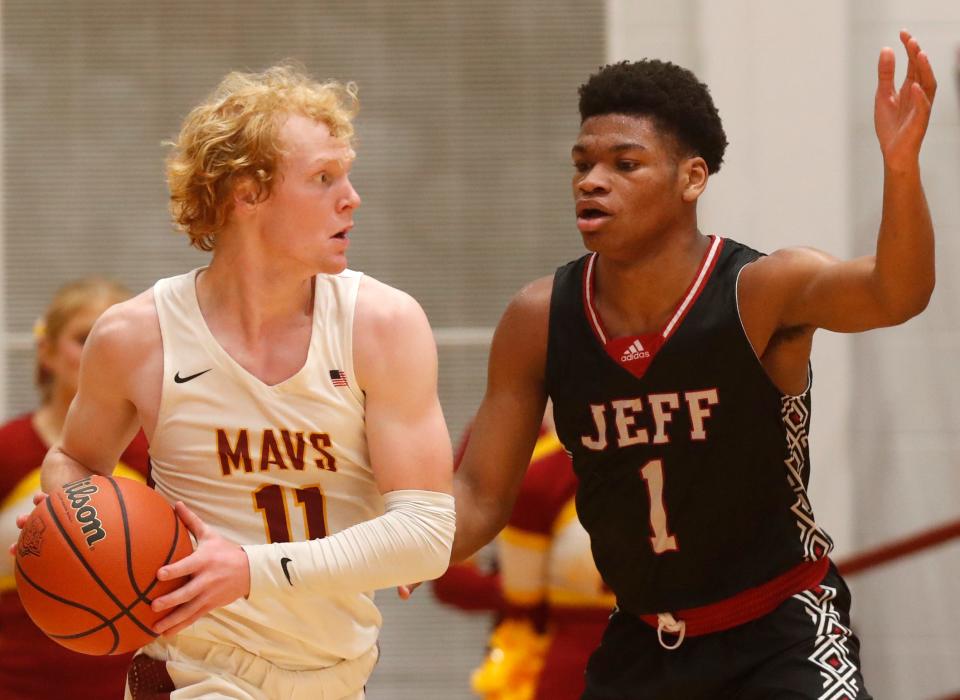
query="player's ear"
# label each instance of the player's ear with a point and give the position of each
(246, 194)
(693, 178)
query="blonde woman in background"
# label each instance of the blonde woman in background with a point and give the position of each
(33, 667)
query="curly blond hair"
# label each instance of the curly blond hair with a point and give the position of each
(234, 135)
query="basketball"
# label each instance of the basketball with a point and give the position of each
(87, 560)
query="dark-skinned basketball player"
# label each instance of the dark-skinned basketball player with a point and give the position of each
(678, 365)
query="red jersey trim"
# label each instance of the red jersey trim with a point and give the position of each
(635, 353)
(750, 604)
(592, 316)
(706, 268)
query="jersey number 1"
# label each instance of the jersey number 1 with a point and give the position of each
(662, 540)
(271, 501)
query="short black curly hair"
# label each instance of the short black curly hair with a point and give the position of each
(669, 94)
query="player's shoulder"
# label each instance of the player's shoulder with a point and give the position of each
(532, 301)
(385, 309)
(131, 315)
(791, 259)
(520, 339)
(386, 317)
(127, 326)
(389, 300)
(783, 268)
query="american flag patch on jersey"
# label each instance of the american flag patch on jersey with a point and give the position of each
(338, 377)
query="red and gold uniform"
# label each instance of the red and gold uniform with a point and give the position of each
(33, 667)
(547, 576)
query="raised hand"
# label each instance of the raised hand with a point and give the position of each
(219, 574)
(901, 116)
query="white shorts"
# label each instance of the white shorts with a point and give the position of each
(204, 670)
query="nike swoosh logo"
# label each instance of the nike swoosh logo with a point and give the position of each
(283, 565)
(180, 380)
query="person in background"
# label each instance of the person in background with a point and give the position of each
(550, 603)
(32, 666)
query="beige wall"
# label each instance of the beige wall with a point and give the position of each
(904, 427)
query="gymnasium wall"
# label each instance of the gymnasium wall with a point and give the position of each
(903, 421)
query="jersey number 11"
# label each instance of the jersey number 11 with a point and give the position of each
(271, 501)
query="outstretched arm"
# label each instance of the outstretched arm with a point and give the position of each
(508, 422)
(807, 288)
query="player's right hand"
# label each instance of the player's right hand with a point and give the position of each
(219, 574)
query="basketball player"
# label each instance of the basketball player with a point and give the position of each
(678, 367)
(290, 405)
(32, 666)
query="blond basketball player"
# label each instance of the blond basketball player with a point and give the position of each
(290, 405)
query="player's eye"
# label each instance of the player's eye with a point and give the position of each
(581, 166)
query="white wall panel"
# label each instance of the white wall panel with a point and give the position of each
(905, 431)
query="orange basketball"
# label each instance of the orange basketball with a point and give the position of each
(87, 560)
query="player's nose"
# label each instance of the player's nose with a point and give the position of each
(351, 199)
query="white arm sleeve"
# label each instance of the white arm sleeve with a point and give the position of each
(409, 543)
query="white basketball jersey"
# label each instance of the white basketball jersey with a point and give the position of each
(266, 463)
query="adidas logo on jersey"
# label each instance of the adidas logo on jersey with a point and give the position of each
(634, 352)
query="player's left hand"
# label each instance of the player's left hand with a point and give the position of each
(901, 116)
(219, 574)
(38, 498)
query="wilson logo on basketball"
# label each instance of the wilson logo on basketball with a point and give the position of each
(79, 493)
(31, 538)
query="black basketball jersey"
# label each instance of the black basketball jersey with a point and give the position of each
(693, 466)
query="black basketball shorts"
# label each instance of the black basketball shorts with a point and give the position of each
(803, 650)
